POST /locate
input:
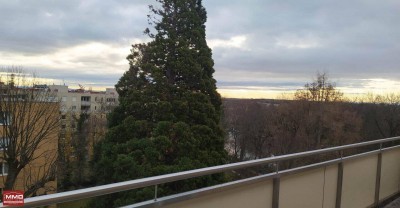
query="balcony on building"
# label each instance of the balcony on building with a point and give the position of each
(85, 101)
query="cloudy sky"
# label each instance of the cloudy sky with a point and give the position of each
(261, 48)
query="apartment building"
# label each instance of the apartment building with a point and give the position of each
(85, 101)
(29, 127)
(24, 111)
(83, 122)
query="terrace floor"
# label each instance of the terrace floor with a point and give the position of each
(394, 204)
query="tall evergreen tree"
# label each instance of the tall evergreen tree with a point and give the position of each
(168, 118)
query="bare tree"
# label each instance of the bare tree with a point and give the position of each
(320, 90)
(386, 110)
(232, 122)
(317, 118)
(289, 120)
(246, 123)
(29, 117)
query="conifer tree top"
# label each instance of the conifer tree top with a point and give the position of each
(169, 113)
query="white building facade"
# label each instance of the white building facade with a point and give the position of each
(85, 101)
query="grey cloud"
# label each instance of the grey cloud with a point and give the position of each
(83, 77)
(357, 39)
(269, 83)
(41, 26)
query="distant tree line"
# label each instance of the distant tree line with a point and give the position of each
(319, 116)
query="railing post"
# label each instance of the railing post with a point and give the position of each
(378, 176)
(339, 182)
(275, 188)
(275, 194)
(155, 192)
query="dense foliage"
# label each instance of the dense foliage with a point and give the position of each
(168, 118)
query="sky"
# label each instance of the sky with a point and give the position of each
(261, 48)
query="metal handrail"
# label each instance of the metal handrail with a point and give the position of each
(155, 180)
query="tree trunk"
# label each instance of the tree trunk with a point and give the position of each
(11, 176)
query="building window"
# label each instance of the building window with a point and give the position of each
(5, 118)
(63, 116)
(64, 99)
(63, 126)
(73, 107)
(85, 108)
(73, 99)
(4, 168)
(85, 98)
(4, 142)
(110, 99)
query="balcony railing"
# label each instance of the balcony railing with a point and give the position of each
(85, 103)
(359, 180)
